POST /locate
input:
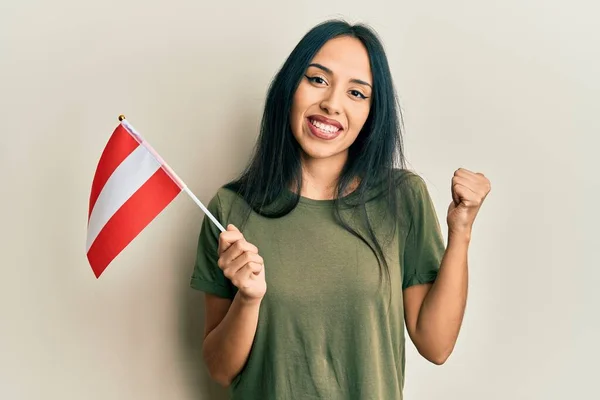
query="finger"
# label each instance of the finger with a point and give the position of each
(470, 175)
(466, 195)
(245, 276)
(475, 176)
(233, 267)
(237, 249)
(255, 268)
(464, 171)
(455, 195)
(245, 258)
(480, 187)
(466, 182)
(461, 172)
(229, 237)
(232, 227)
(249, 270)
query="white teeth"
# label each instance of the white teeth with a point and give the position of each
(325, 127)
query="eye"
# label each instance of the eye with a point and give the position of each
(358, 94)
(316, 79)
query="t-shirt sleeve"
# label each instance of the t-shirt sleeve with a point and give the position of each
(207, 276)
(424, 247)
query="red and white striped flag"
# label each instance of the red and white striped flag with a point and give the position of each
(132, 186)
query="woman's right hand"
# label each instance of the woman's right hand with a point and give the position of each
(242, 265)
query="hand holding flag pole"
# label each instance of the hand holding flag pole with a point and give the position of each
(131, 186)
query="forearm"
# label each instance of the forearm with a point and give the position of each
(226, 348)
(442, 311)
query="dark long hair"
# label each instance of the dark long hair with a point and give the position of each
(374, 157)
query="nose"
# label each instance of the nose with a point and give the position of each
(332, 104)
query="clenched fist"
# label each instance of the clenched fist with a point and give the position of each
(241, 264)
(469, 190)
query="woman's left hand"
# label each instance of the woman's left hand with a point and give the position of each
(469, 190)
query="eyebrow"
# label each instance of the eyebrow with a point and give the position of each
(324, 68)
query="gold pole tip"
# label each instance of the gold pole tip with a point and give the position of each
(121, 117)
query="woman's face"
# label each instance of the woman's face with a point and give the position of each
(333, 99)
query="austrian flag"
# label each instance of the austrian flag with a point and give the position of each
(132, 185)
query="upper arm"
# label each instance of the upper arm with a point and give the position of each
(215, 309)
(413, 300)
(423, 251)
(424, 244)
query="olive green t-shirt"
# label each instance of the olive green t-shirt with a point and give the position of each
(328, 327)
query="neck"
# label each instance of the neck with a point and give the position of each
(320, 176)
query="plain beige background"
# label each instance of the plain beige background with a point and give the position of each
(507, 88)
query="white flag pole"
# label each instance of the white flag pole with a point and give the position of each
(168, 170)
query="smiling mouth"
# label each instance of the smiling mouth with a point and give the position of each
(323, 130)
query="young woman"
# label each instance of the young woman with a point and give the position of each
(341, 246)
